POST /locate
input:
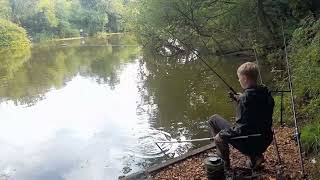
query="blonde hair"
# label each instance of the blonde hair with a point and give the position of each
(250, 70)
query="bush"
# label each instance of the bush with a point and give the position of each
(102, 35)
(45, 36)
(287, 110)
(305, 56)
(12, 36)
(305, 59)
(311, 137)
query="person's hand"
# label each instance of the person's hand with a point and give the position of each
(234, 97)
(237, 96)
(217, 139)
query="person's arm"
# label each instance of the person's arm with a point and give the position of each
(241, 124)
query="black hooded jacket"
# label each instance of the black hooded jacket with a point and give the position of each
(254, 116)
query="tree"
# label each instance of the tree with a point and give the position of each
(115, 10)
(12, 36)
(48, 9)
(5, 9)
(219, 27)
(89, 16)
(46, 19)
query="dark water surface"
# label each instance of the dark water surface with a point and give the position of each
(92, 109)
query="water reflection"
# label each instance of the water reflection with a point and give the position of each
(93, 109)
(53, 66)
(186, 94)
(78, 134)
(11, 61)
(70, 112)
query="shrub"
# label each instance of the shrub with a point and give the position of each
(311, 137)
(12, 36)
(305, 59)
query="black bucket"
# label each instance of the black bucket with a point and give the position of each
(215, 168)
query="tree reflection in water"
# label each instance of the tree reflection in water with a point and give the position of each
(26, 78)
(178, 93)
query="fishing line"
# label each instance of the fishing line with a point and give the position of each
(256, 56)
(196, 52)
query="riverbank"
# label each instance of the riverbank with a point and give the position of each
(99, 35)
(290, 166)
(193, 166)
(67, 39)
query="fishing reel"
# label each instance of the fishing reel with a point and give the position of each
(233, 96)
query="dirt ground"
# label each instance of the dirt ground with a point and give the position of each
(193, 167)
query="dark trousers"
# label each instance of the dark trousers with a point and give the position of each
(217, 123)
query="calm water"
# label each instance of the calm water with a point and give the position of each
(92, 109)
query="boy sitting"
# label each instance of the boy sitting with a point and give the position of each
(254, 116)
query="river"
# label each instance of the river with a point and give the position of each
(93, 108)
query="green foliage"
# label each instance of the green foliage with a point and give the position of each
(5, 9)
(218, 26)
(301, 8)
(90, 20)
(12, 36)
(287, 114)
(311, 137)
(305, 56)
(305, 60)
(47, 7)
(57, 21)
(47, 19)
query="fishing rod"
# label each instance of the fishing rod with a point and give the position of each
(196, 52)
(199, 140)
(297, 133)
(218, 75)
(208, 139)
